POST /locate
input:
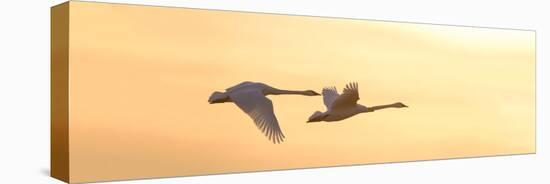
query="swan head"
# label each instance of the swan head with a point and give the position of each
(317, 117)
(311, 93)
(399, 105)
(218, 97)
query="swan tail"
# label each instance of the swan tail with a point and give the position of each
(316, 117)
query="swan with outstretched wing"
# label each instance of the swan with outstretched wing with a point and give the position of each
(343, 106)
(251, 98)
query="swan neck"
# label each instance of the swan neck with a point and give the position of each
(287, 92)
(378, 107)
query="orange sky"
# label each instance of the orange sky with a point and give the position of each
(140, 78)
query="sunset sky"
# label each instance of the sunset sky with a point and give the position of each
(140, 77)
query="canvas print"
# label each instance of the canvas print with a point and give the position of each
(150, 92)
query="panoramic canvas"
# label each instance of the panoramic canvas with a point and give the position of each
(148, 92)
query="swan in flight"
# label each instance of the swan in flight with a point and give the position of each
(343, 106)
(251, 98)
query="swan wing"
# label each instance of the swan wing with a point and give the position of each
(329, 95)
(348, 98)
(245, 84)
(260, 109)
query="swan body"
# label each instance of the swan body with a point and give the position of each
(340, 107)
(251, 98)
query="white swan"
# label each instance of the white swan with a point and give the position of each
(343, 106)
(250, 97)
